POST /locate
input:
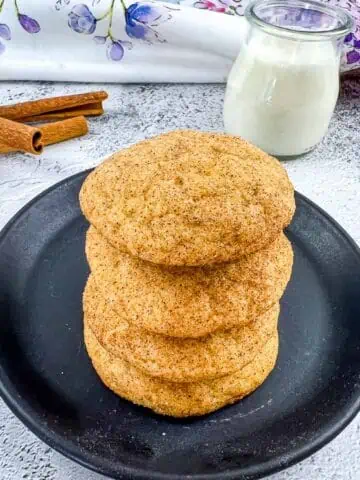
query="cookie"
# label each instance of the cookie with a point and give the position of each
(189, 198)
(189, 301)
(174, 359)
(179, 399)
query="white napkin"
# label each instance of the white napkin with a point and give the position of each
(125, 41)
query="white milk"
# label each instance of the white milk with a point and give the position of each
(281, 93)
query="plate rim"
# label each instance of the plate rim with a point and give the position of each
(261, 470)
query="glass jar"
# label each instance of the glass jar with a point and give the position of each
(283, 87)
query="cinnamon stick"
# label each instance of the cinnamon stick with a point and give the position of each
(92, 109)
(49, 105)
(20, 136)
(57, 132)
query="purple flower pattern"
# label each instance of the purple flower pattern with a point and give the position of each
(28, 24)
(141, 20)
(81, 20)
(230, 7)
(353, 49)
(115, 50)
(100, 40)
(352, 41)
(5, 34)
(353, 57)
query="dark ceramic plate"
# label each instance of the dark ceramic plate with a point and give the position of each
(47, 380)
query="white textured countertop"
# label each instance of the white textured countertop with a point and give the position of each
(330, 176)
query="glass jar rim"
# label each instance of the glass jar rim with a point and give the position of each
(346, 25)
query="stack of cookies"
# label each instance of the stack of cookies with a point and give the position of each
(188, 263)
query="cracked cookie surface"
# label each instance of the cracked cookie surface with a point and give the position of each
(174, 359)
(189, 301)
(189, 198)
(179, 399)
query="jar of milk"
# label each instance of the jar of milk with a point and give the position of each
(283, 87)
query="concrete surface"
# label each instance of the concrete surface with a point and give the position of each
(330, 176)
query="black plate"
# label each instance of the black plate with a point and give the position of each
(48, 382)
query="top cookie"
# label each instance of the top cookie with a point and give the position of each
(189, 198)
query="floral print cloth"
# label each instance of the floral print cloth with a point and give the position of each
(131, 41)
